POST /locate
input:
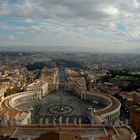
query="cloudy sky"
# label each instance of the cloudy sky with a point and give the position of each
(88, 25)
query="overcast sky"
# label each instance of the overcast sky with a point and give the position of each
(91, 25)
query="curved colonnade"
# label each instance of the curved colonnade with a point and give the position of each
(110, 113)
(15, 116)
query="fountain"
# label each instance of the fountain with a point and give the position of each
(61, 108)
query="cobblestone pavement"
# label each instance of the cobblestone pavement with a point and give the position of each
(41, 108)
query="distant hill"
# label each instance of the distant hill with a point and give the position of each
(137, 50)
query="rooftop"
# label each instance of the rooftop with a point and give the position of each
(83, 132)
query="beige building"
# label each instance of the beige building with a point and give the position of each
(74, 82)
(39, 87)
(109, 88)
(132, 97)
(79, 85)
(91, 82)
(84, 132)
(51, 76)
(3, 89)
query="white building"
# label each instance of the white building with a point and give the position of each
(39, 87)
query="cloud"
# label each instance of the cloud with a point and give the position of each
(11, 37)
(111, 10)
(75, 22)
(27, 20)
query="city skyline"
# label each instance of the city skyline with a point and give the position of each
(92, 95)
(84, 25)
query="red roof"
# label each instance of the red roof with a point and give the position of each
(104, 138)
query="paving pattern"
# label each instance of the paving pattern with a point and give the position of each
(79, 108)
